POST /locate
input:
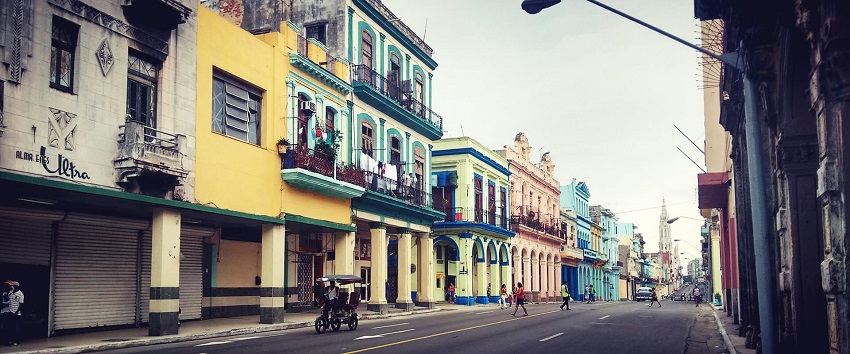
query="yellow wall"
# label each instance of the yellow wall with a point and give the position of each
(238, 264)
(234, 174)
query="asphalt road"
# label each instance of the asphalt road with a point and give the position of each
(616, 327)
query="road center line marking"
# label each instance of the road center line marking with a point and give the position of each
(550, 337)
(396, 332)
(481, 313)
(448, 332)
(392, 325)
(604, 317)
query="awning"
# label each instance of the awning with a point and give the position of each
(713, 189)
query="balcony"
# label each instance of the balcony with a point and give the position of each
(571, 255)
(494, 223)
(314, 171)
(395, 99)
(391, 196)
(538, 222)
(149, 159)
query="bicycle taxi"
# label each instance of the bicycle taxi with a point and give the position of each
(343, 310)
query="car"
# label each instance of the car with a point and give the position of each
(643, 293)
(679, 297)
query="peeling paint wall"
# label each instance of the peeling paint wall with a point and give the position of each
(308, 12)
(255, 16)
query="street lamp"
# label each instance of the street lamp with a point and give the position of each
(534, 6)
(672, 220)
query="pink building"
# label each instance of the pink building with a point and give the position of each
(535, 217)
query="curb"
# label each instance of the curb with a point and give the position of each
(185, 338)
(729, 345)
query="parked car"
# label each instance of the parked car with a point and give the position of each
(643, 293)
(679, 296)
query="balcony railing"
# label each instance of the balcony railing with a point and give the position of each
(397, 91)
(536, 221)
(141, 147)
(304, 51)
(495, 218)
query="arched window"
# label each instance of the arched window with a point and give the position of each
(395, 150)
(420, 93)
(303, 120)
(419, 170)
(366, 49)
(367, 139)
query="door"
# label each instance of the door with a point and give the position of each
(366, 274)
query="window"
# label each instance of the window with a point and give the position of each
(419, 167)
(141, 90)
(318, 31)
(366, 49)
(479, 198)
(491, 205)
(62, 47)
(367, 139)
(236, 109)
(303, 121)
(330, 115)
(394, 76)
(503, 203)
(395, 150)
(420, 88)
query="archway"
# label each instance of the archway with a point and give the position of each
(446, 256)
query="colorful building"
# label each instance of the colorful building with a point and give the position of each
(628, 256)
(472, 243)
(536, 221)
(571, 255)
(575, 197)
(97, 164)
(605, 218)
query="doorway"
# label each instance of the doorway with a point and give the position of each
(366, 275)
(35, 284)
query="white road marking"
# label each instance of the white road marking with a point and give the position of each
(550, 337)
(382, 335)
(392, 325)
(601, 323)
(213, 343)
(604, 317)
(246, 338)
(481, 313)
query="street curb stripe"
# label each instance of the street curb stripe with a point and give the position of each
(447, 332)
(550, 337)
(729, 345)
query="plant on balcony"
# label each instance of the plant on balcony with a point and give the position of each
(282, 146)
(328, 146)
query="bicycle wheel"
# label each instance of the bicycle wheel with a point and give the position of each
(352, 322)
(321, 325)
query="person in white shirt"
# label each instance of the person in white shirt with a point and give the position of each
(331, 294)
(697, 292)
(10, 313)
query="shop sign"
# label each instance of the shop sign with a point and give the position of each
(57, 165)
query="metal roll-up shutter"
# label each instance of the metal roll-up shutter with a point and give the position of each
(27, 241)
(96, 276)
(191, 271)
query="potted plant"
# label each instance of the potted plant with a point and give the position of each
(282, 146)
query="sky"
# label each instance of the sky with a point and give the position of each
(599, 92)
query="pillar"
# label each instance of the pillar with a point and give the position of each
(272, 274)
(495, 279)
(378, 288)
(481, 268)
(526, 275)
(344, 252)
(506, 274)
(534, 287)
(165, 273)
(557, 269)
(425, 293)
(405, 298)
(715, 264)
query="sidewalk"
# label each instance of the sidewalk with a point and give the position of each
(199, 329)
(731, 333)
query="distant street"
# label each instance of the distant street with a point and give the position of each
(616, 327)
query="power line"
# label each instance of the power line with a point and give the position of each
(655, 207)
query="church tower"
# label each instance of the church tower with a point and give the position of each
(664, 241)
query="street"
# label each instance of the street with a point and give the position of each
(615, 327)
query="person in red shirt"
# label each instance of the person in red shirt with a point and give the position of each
(520, 300)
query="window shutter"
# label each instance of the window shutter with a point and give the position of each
(236, 109)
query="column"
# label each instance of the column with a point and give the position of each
(272, 274)
(344, 254)
(526, 274)
(481, 268)
(495, 279)
(550, 273)
(715, 265)
(558, 278)
(425, 294)
(534, 287)
(506, 274)
(405, 299)
(165, 273)
(378, 289)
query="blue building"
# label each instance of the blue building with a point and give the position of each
(576, 197)
(610, 254)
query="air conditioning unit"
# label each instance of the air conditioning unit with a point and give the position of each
(307, 106)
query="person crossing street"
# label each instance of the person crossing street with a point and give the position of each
(565, 294)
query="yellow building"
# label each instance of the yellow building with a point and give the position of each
(251, 109)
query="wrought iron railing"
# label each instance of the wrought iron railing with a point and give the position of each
(542, 223)
(397, 91)
(396, 188)
(495, 218)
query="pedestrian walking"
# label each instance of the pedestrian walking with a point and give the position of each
(10, 313)
(565, 294)
(520, 300)
(697, 293)
(503, 297)
(592, 294)
(654, 299)
(587, 294)
(488, 292)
